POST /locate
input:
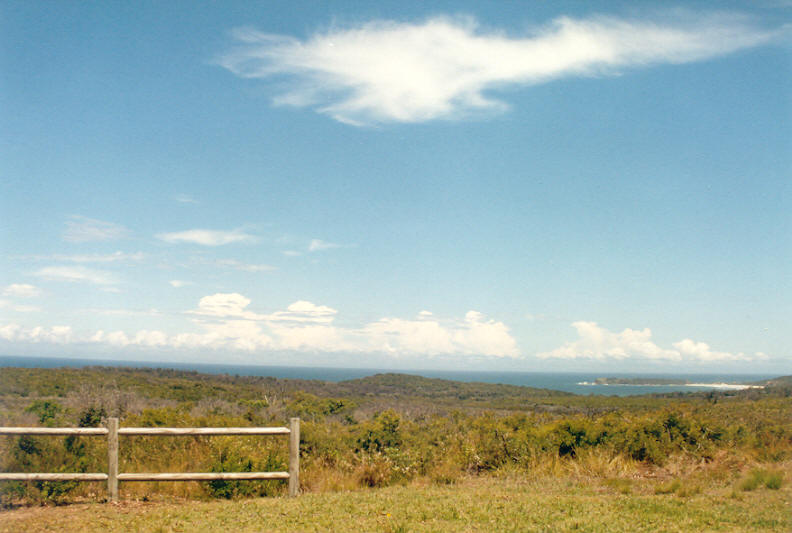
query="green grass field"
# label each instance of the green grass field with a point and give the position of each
(490, 503)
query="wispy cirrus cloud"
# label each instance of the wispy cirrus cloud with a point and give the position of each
(17, 308)
(185, 199)
(317, 245)
(206, 237)
(385, 71)
(115, 257)
(245, 267)
(83, 229)
(76, 274)
(22, 290)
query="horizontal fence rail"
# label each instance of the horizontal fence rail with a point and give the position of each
(203, 476)
(113, 476)
(76, 476)
(203, 431)
(53, 431)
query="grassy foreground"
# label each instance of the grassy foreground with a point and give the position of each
(502, 503)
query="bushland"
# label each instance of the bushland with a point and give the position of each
(384, 430)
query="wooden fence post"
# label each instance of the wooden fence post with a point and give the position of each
(294, 456)
(112, 459)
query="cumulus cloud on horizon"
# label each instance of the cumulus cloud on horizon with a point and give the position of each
(597, 343)
(386, 71)
(224, 322)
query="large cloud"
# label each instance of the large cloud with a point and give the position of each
(386, 71)
(223, 321)
(596, 342)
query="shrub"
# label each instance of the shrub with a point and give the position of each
(381, 433)
(686, 491)
(756, 478)
(229, 459)
(623, 486)
(774, 480)
(668, 487)
(45, 410)
(375, 470)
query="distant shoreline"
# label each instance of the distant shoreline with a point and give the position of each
(574, 382)
(649, 382)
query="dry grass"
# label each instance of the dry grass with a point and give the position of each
(504, 503)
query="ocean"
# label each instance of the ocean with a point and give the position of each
(578, 383)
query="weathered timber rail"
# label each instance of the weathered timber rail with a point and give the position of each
(113, 476)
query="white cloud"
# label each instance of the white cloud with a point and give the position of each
(75, 274)
(225, 322)
(317, 245)
(178, 283)
(598, 343)
(702, 352)
(225, 305)
(7, 304)
(123, 312)
(400, 336)
(22, 290)
(246, 267)
(98, 258)
(84, 229)
(238, 334)
(206, 237)
(185, 199)
(478, 335)
(386, 71)
(10, 332)
(115, 338)
(303, 311)
(291, 253)
(151, 338)
(55, 334)
(310, 337)
(473, 336)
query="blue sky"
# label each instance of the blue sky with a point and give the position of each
(513, 186)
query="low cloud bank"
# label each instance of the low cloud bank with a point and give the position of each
(597, 343)
(223, 321)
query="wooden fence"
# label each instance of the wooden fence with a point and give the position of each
(113, 476)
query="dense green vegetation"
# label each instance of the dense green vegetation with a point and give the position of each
(388, 429)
